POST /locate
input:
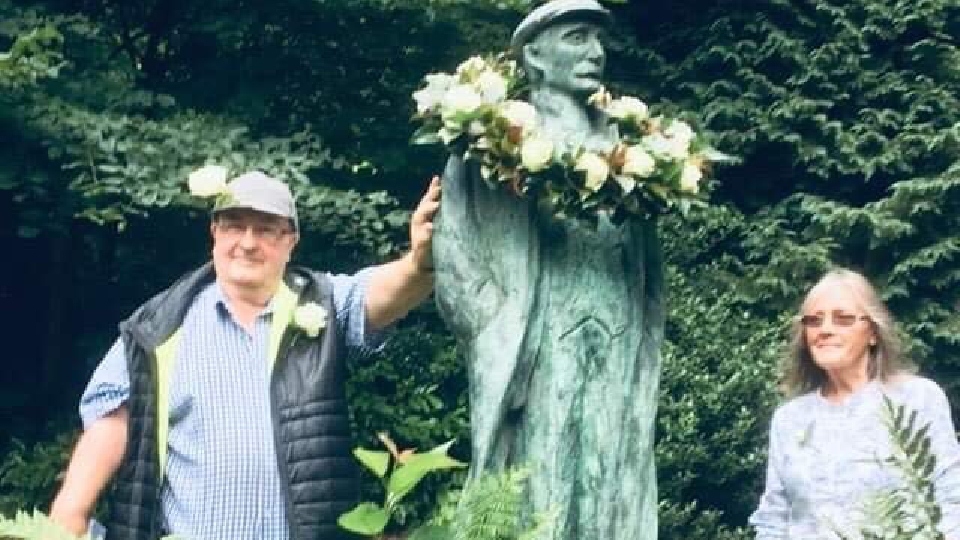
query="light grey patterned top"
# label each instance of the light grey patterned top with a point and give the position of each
(824, 460)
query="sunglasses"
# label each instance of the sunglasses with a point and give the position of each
(837, 317)
(270, 232)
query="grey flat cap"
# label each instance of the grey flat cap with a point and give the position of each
(552, 11)
(257, 191)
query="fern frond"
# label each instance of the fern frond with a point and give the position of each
(25, 526)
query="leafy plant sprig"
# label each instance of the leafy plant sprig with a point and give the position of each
(909, 511)
(400, 471)
(37, 525)
(488, 508)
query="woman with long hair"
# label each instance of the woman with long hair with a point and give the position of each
(828, 440)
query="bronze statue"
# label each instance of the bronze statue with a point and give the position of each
(561, 322)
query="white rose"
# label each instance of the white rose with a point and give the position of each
(536, 153)
(471, 66)
(430, 97)
(680, 131)
(460, 99)
(628, 107)
(311, 318)
(208, 181)
(476, 128)
(596, 168)
(519, 114)
(672, 148)
(690, 178)
(492, 85)
(638, 161)
(628, 183)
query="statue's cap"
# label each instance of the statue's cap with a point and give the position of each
(257, 191)
(551, 12)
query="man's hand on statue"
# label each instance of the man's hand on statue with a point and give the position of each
(421, 227)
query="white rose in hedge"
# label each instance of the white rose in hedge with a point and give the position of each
(461, 99)
(208, 181)
(492, 85)
(638, 162)
(690, 178)
(628, 107)
(311, 318)
(520, 114)
(536, 153)
(596, 169)
(429, 98)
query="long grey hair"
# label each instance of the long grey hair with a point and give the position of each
(801, 374)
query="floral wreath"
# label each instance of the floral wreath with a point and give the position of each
(657, 164)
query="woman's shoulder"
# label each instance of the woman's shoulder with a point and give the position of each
(906, 381)
(797, 406)
(911, 388)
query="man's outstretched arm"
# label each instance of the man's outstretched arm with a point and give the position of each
(95, 459)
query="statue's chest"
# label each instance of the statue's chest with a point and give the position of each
(590, 274)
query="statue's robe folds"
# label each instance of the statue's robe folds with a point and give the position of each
(561, 325)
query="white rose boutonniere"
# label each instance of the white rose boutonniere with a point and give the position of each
(311, 318)
(208, 181)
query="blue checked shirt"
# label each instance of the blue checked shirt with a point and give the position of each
(222, 479)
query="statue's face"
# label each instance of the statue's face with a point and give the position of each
(570, 57)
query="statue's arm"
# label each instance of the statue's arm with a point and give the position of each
(466, 285)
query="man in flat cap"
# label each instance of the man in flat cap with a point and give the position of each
(560, 46)
(220, 411)
(561, 323)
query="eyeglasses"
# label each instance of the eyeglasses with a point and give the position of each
(234, 229)
(837, 317)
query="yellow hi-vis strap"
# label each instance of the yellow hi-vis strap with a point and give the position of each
(285, 302)
(165, 354)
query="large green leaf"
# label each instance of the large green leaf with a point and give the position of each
(367, 519)
(407, 476)
(376, 461)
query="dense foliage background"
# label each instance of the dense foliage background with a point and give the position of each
(845, 115)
